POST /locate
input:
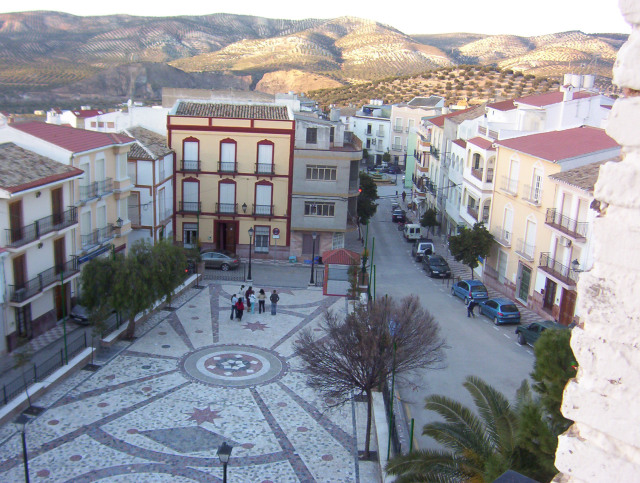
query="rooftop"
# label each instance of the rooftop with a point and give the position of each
(458, 116)
(482, 143)
(149, 145)
(21, 169)
(558, 145)
(233, 111)
(71, 138)
(503, 105)
(430, 101)
(460, 142)
(582, 177)
(88, 113)
(541, 100)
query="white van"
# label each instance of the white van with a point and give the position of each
(412, 232)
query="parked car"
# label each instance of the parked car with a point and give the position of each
(395, 205)
(224, 260)
(412, 232)
(500, 310)
(436, 266)
(470, 290)
(80, 314)
(398, 215)
(421, 248)
(393, 170)
(529, 334)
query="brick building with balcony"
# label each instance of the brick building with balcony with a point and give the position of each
(39, 221)
(233, 166)
(527, 214)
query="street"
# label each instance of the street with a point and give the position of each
(474, 345)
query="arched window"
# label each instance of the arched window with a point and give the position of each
(264, 199)
(190, 154)
(190, 196)
(265, 164)
(227, 197)
(228, 153)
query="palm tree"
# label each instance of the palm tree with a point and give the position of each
(479, 447)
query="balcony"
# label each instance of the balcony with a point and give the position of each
(489, 175)
(503, 237)
(473, 211)
(262, 210)
(396, 147)
(189, 165)
(566, 225)
(17, 237)
(380, 133)
(477, 173)
(265, 168)
(557, 270)
(227, 167)
(96, 189)
(21, 292)
(509, 186)
(532, 195)
(226, 208)
(165, 213)
(97, 236)
(397, 128)
(434, 152)
(189, 206)
(525, 250)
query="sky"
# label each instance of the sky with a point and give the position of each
(411, 17)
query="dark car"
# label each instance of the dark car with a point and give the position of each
(436, 266)
(80, 314)
(529, 334)
(224, 260)
(393, 170)
(501, 310)
(398, 215)
(470, 290)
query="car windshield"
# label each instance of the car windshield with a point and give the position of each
(478, 290)
(509, 308)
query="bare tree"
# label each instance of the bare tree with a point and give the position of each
(357, 352)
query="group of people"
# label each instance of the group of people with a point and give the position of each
(249, 296)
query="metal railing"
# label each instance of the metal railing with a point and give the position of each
(557, 269)
(227, 167)
(503, 237)
(532, 194)
(263, 210)
(396, 147)
(489, 175)
(16, 237)
(566, 225)
(98, 236)
(189, 206)
(509, 185)
(397, 128)
(265, 168)
(96, 189)
(21, 292)
(190, 165)
(227, 208)
(525, 249)
(477, 173)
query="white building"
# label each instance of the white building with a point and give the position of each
(372, 125)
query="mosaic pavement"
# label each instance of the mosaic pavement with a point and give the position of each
(159, 408)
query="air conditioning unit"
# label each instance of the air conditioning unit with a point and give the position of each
(565, 242)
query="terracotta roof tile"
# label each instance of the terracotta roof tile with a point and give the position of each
(482, 143)
(460, 142)
(233, 111)
(469, 113)
(70, 138)
(21, 169)
(149, 145)
(503, 105)
(341, 256)
(558, 145)
(583, 177)
(87, 113)
(541, 100)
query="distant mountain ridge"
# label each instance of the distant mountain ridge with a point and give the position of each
(44, 55)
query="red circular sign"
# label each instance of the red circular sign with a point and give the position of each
(276, 231)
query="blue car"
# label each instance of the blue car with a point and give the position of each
(470, 290)
(500, 310)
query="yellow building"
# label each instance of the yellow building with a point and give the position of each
(232, 173)
(520, 260)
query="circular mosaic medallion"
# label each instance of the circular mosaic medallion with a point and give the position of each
(234, 366)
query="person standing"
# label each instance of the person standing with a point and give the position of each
(234, 301)
(252, 302)
(470, 308)
(239, 309)
(247, 296)
(262, 297)
(274, 302)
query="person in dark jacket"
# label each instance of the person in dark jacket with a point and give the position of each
(470, 308)
(274, 298)
(239, 309)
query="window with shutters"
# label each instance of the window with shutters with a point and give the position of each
(263, 199)
(190, 154)
(227, 193)
(228, 156)
(337, 241)
(265, 157)
(262, 239)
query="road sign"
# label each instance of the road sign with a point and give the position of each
(276, 231)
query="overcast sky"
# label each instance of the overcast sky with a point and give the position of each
(411, 17)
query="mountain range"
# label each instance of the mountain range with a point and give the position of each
(53, 56)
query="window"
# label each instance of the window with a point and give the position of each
(132, 172)
(101, 124)
(332, 134)
(134, 208)
(319, 209)
(161, 173)
(263, 199)
(93, 124)
(265, 157)
(337, 241)
(325, 173)
(190, 155)
(262, 239)
(23, 320)
(312, 135)
(189, 235)
(122, 166)
(369, 128)
(111, 125)
(227, 156)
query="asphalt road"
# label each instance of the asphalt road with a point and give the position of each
(474, 346)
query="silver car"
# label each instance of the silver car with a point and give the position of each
(224, 260)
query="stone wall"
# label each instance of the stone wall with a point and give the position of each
(604, 442)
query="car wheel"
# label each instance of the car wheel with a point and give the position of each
(224, 267)
(521, 339)
(495, 321)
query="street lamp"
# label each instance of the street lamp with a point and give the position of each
(314, 235)
(244, 207)
(21, 422)
(224, 453)
(575, 266)
(249, 279)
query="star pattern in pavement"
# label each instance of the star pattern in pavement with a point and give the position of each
(253, 326)
(205, 415)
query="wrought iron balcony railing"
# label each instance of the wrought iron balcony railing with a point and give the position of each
(557, 269)
(262, 210)
(525, 250)
(566, 225)
(190, 165)
(503, 237)
(17, 237)
(189, 206)
(98, 236)
(265, 168)
(21, 292)
(509, 185)
(227, 167)
(532, 195)
(227, 208)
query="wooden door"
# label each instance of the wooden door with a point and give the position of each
(19, 271)
(58, 254)
(56, 206)
(567, 306)
(550, 288)
(230, 237)
(15, 220)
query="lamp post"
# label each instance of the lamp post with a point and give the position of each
(314, 235)
(21, 422)
(244, 207)
(249, 278)
(224, 453)
(393, 327)
(64, 315)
